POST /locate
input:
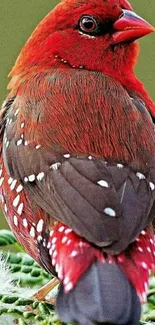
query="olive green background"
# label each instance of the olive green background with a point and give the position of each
(18, 18)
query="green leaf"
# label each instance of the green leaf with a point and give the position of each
(7, 238)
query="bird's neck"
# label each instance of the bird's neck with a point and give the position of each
(124, 73)
(133, 86)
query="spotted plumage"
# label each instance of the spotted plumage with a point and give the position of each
(77, 159)
(116, 186)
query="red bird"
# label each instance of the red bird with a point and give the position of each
(77, 173)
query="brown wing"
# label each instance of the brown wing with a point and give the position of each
(106, 202)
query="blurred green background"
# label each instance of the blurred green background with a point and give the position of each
(18, 18)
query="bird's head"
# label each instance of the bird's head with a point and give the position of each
(96, 35)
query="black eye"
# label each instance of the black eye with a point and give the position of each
(88, 24)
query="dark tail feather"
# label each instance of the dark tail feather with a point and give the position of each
(103, 295)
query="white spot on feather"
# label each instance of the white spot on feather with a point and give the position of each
(74, 253)
(2, 198)
(40, 225)
(16, 201)
(40, 176)
(44, 242)
(53, 247)
(50, 251)
(144, 265)
(5, 208)
(64, 239)
(54, 240)
(19, 188)
(5, 138)
(146, 286)
(61, 229)
(48, 245)
(60, 273)
(53, 261)
(140, 249)
(20, 208)
(110, 212)
(103, 183)
(7, 144)
(120, 166)
(152, 186)
(140, 175)
(22, 125)
(38, 146)
(69, 286)
(81, 244)
(13, 185)
(68, 231)
(31, 178)
(51, 233)
(120, 259)
(25, 223)
(15, 221)
(148, 249)
(57, 267)
(67, 155)
(19, 142)
(39, 238)
(16, 112)
(32, 232)
(1, 181)
(66, 280)
(143, 296)
(55, 254)
(10, 180)
(55, 166)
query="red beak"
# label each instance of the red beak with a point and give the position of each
(129, 27)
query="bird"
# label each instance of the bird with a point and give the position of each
(77, 159)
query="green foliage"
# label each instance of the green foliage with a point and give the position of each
(6, 238)
(27, 311)
(25, 270)
(24, 276)
(149, 308)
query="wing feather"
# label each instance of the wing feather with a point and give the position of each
(106, 200)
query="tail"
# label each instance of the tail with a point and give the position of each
(103, 295)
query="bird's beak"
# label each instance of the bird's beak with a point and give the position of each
(129, 27)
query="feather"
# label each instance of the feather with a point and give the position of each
(85, 186)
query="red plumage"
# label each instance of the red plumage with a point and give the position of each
(78, 154)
